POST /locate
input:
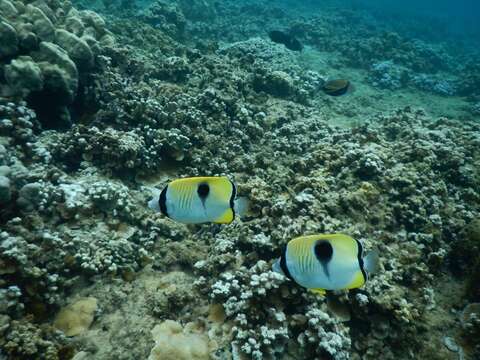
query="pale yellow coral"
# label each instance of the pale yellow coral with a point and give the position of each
(76, 318)
(172, 342)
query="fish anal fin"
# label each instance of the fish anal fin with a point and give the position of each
(226, 218)
(357, 281)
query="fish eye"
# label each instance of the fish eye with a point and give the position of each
(203, 190)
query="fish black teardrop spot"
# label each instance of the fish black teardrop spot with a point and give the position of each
(203, 190)
(323, 251)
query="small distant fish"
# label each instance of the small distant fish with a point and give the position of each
(199, 200)
(326, 262)
(286, 39)
(338, 87)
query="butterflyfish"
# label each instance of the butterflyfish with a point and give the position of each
(197, 200)
(326, 262)
(338, 87)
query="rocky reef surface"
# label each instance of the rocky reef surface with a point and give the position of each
(96, 112)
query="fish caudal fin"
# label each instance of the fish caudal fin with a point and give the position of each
(154, 202)
(371, 262)
(241, 206)
(154, 205)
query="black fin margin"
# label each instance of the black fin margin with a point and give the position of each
(232, 198)
(162, 201)
(283, 264)
(360, 260)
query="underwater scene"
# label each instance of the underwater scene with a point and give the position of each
(239, 180)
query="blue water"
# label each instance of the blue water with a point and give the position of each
(459, 18)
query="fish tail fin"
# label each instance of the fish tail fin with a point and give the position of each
(241, 206)
(351, 88)
(153, 203)
(372, 261)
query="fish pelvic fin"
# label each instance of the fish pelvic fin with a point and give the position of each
(318, 291)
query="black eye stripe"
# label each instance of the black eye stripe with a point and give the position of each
(323, 251)
(203, 190)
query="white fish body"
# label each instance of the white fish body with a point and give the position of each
(326, 262)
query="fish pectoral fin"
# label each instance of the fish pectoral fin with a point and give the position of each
(321, 292)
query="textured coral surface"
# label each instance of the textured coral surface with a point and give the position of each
(102, 103)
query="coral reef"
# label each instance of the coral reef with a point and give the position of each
(387, 75)
(186, 88)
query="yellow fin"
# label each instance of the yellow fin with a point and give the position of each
(345, 246)
(321, 292)
(221, 189)
(226, 218)
(357, 281)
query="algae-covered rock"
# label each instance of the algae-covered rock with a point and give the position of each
(76, 318)
(8, 40)
(77, 49)
(75, 25)
(59, 71)
(7, 9)
(473, 232)
(172, 342)
(5, 192)
(24, 75)
(92, 19)
(276, 83)
(42, 25)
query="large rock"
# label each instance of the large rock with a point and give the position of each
(8, 40)
(75, 25)
(5, 192)
(77, 49)
(23, 76)
(95, 21)
(42, 25)
(59, 72)
(8, 10)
